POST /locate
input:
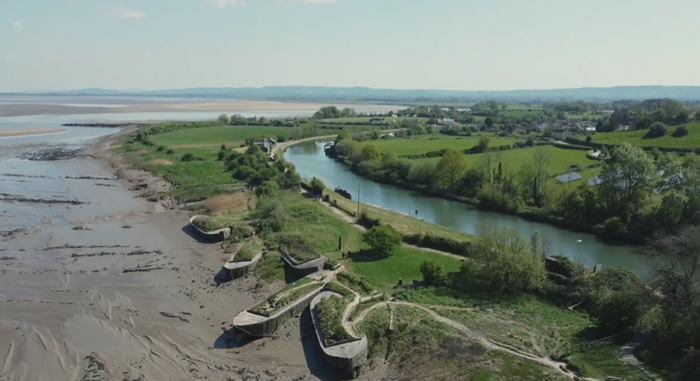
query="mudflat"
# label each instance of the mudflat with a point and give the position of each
(33, 131)
(97, 283)
(137, 104)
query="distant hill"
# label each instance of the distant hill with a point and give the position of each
(365, 94)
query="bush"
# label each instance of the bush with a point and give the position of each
(367, 221)
(680, 132)
(317, 186)
(383, 239)
(244, 173)
(221, 155)
(613, 227)
(161, 148)
(433, 273)
(170, 151)
(439, 243)
(268, 189)
(656, 130)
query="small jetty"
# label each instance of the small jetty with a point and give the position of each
(343, 193)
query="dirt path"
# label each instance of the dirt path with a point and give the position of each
(488, 343)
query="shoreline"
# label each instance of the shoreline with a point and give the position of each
(119, 287)
(30, 132)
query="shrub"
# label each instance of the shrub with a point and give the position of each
(612, 227)
(680, 131)
(433, 273)
(367, 221)
(170, 151)
(439, 243)
(317, 186)
(656, 130)
(187, 157)
(383, 239)
(221, 155)
(268, 189)
(161, 148)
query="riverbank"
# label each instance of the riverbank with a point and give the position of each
(117, 287)
(528, 213)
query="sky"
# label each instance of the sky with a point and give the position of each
(401, 44)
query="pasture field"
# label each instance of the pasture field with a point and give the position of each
(513, 160)
(213, 136)
(692, 140)
(434, 142)
(397, 119)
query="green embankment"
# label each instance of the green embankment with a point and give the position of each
(435, 142)
(692, 140)
(217, 135)
(560, 159)
(424, 348)
(291, 293)
(249, 250)
(330, 318)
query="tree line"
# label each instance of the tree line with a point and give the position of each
(636, 195)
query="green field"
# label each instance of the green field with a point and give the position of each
(387, 120)
(559, 159)
(216, 135)
(195, 180)
(692, 140)
(588, 115)
(435, 142)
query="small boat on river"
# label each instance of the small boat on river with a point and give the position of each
(343, 193)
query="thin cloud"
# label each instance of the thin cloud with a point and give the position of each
(226, 3)
(58, 60)
(132, 14)
(117, 12)
(17, 26)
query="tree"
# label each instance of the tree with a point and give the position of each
(541, 173)
(489, 122)
(383, 239)
(268, 189)
(683, 116)
(656, 130)
(370, 152)
(697, 116)
(625, 178)
(450, 170)
(344, 134)
(588, 138)
(317, 187)
(507, 263)
(483, 144)
(224, 119)
(680, 132)
(433, 273)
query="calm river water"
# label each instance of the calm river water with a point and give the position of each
(311, 161)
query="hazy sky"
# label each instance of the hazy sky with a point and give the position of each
(439, 44)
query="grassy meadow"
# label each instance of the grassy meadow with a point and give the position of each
(435, 142)
(230, 135)
(692, 140)
(559, 159)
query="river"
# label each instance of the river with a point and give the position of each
(310, 161)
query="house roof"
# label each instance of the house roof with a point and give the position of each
(568, 177)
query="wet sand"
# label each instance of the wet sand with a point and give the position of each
(117, 288)
(34, 131)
